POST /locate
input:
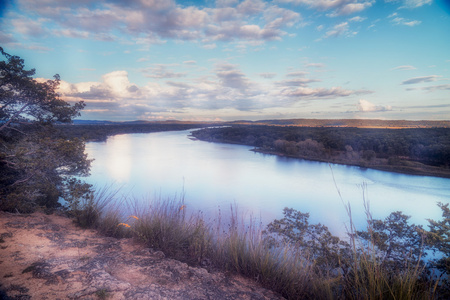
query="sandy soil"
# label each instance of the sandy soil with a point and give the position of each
(48, 257)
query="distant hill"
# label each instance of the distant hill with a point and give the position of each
(360, 123)
(136, 122)
(92, 122)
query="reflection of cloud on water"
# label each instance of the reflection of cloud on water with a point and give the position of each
(118, 158)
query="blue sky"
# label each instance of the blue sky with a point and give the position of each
(234, 59)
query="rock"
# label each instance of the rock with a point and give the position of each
(48, 257)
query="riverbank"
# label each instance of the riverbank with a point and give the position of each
(402, 167)
(48, 257)
(418, 151)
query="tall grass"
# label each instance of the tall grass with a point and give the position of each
(369, 277)
(164, 225)
(240, 246)
(90, 209)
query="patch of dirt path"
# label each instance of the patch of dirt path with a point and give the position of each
(48, 257)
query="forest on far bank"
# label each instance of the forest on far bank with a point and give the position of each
(100, 132)
(424, 151)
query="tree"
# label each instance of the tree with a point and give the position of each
(36, 161)
(312, 240)
(23, 99)
(398, 244)
(439, 238)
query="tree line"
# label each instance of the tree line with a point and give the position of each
(100, 132)
(412, 147)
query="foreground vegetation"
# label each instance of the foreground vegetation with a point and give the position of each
(423, 151)
(38, 165)
(297, 259)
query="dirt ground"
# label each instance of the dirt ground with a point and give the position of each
(48, 257)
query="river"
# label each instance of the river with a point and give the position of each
(212, 176)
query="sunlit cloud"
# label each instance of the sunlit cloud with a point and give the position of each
(366, 106)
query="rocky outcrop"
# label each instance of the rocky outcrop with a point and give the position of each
(48, 257)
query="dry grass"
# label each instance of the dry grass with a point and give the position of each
(239, 246)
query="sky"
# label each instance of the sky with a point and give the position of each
(223, 60)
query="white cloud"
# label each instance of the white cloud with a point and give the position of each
(160, 71)
(341, 29)
(416, 3)
(315, 65)
(297, 82)
(251, 7)
(432, 88)
(339, 7)
(230, 76)
(402, 21)
(318, 93)
(366, 106)
(114, 86)
(405, 68)
(210, 46)
(411, 3)
(421, 79)
(28, 27)
(268, 75)
(357, 19)
(72, 33)
(352, 8)
(6, 38)
(297, 74)
(442, 87)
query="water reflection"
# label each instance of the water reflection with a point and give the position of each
(118, 159)
(217, 175)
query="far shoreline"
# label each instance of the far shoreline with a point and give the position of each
(436, 172)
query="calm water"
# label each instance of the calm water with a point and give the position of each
(216, 175)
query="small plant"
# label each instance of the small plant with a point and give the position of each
(102, 294)
(88, 205)
(85, 258)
